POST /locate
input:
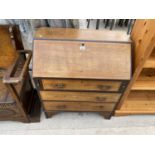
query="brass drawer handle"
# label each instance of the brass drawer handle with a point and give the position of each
(59, 85)
(103, 87)
(61, 106)
(100, 99)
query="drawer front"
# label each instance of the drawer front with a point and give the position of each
(79, 96)
(83, 85)
(78, 106)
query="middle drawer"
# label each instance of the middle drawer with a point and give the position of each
(79, 96)
(83, 85)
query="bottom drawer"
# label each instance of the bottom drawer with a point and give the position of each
(78, 106)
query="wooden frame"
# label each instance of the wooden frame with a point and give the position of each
(65, 41)
(139, 96)
(23, 104)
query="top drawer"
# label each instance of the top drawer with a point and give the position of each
(83, 85)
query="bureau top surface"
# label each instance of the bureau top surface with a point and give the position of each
(79, 34)
(81, 59)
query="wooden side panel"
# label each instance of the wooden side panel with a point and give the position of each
(143, 36)
(5, 96)
(8, 107)
(7, 50)
(138, 102)
(150, 62)
(145, 81)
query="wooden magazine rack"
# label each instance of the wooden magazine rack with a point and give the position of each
(18, 100)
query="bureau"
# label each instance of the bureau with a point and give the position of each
(81, 70)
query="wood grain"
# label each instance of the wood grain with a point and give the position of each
(81, 70)
(76, 34)
(79, 96)
(78, 106)
(5, 96)
(150, 62)
(143, 36)
(96, 61)
(81, 85)
(8, 53)
(145, 81)
(16, 91)
(138, 102)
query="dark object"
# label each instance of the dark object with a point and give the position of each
(120, 23)
(126, 22)
(17, 96)
(130, 25)
(112, 24)
(88, 20)
(97, 24)
(107, 23)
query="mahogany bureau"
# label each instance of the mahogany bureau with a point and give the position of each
(81, 70)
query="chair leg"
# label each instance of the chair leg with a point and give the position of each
(126, 22)
(88, 20)
(106, 23)
(112, 24)
(120, 23)
(97, 24)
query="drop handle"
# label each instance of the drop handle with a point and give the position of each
(61, 106)
(60, 85)
(102, 87)
(100, 99)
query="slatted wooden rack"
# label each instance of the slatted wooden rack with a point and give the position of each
(139, 97)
